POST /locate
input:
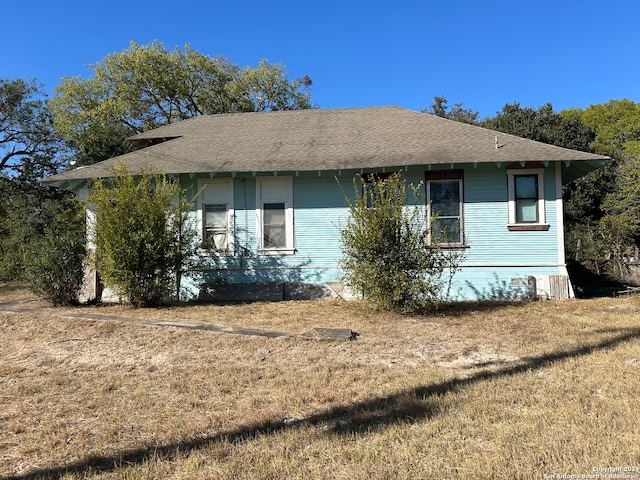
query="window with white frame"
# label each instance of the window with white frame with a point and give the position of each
(215, 214)
(526, 199)
(444, 207)
(274, 210)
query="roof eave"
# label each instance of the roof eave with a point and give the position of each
(572, 170)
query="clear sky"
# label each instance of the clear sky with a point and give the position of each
(484, 53)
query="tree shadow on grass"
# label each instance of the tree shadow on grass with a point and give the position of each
(460, 309)
(408, 406)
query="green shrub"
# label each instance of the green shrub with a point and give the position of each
(55, 266)
(141, 234)
(385, 252)
(27, 210)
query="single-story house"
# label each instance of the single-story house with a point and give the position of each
(272, 186)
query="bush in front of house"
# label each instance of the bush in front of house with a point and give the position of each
(386, 256)
(55, 267)
(142, 235)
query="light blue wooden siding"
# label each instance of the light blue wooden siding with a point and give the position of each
(497, 259)
(493, 258)
(318, 206)
(486, 219)
(319, 211)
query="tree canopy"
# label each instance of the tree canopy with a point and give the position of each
(29, 150)
(28, 143)
(147, 86)
(617, 127)
(440, 108)
(28, 210)
(89, 120)
(542, 124)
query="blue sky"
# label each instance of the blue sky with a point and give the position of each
(484, 53)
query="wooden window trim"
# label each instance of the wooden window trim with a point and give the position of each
(527, 227)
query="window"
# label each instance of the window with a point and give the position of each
(274, 209)
(274, 225)
(215, 214)
(526, 199)
(444, 207)
(215, 224)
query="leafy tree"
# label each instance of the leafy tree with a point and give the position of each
(29, 149)
(28, 143)
(147, 86)
(267, 89)
(617, 127)
(620, 224)
(543, 125)
(440, 108)
(583, 210)
(142, 235)
(385, 251)
(612, 191)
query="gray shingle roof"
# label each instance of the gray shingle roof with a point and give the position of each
(311, 140)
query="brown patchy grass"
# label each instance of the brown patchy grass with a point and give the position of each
(476, 391)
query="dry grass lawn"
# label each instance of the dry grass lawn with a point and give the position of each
(477, 391)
